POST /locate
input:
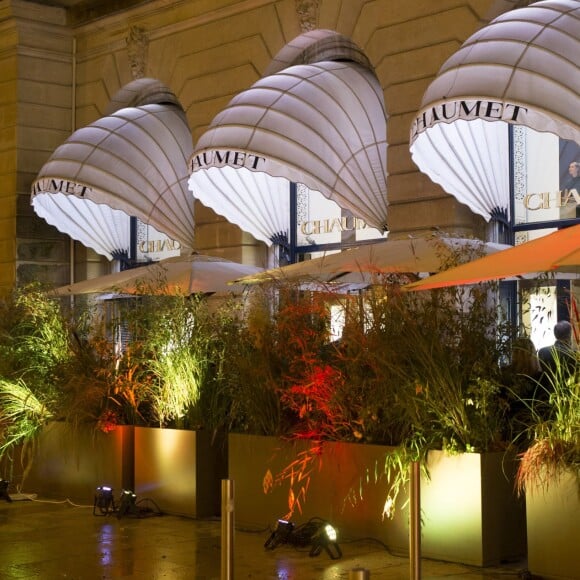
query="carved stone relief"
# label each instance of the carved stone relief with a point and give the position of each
(137, 45)
(307, 11)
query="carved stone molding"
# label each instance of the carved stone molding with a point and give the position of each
(137, 45)
(307, 11)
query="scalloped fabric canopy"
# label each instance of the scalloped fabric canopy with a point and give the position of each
(321, 124)
(134, 162)
(520, 69)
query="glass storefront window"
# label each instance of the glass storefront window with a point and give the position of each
(546, 191)
(546, 178)
(321, 221)
(152, 245)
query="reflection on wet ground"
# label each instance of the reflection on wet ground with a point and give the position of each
(50, 540)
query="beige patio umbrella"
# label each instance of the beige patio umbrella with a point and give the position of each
(558, 252)
(363, 264)
(186, 275)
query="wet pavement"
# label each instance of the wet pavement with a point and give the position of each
(44, 539)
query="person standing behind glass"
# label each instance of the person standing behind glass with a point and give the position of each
(573, 183)
(558, 361)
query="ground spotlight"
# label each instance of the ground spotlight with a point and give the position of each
(128, 504)
(104, 501)
(317, 534)
(4, 490)
(281, 534)
(325, 537)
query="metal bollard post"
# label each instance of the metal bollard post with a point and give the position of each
(227, 552)
(415, 521)
(359, 574)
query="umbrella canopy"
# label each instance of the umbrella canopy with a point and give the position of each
(320, 123)
(521, 69)
(363, 264)
(176, 275)
(556, 252)
(132, 161)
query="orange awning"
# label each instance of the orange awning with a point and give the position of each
(556, 252)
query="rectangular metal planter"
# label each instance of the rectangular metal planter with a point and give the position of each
(71, 462)
(334, 478)
(469, 510)
(179, 470)
(553, 524)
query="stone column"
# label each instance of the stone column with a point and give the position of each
(36, 68)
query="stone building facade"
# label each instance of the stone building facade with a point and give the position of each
(62, 61)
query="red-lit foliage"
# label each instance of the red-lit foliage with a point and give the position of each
(311, 393)
(108, 421)
(314, 402)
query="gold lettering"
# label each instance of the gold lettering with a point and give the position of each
(546, 200)
(360, 224)
(342, 224)
(350, 224)
(149, 246)
(568, 194)
(336, 225)
(528, 201)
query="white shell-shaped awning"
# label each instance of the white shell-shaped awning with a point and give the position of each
(321, 124)
(134, 162)
(105, 230)
(520, 69)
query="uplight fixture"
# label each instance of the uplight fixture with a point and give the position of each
(4, 490)
(104, 503)
(325, 538)
(316, 533)
(128, 504)
(281, 534)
